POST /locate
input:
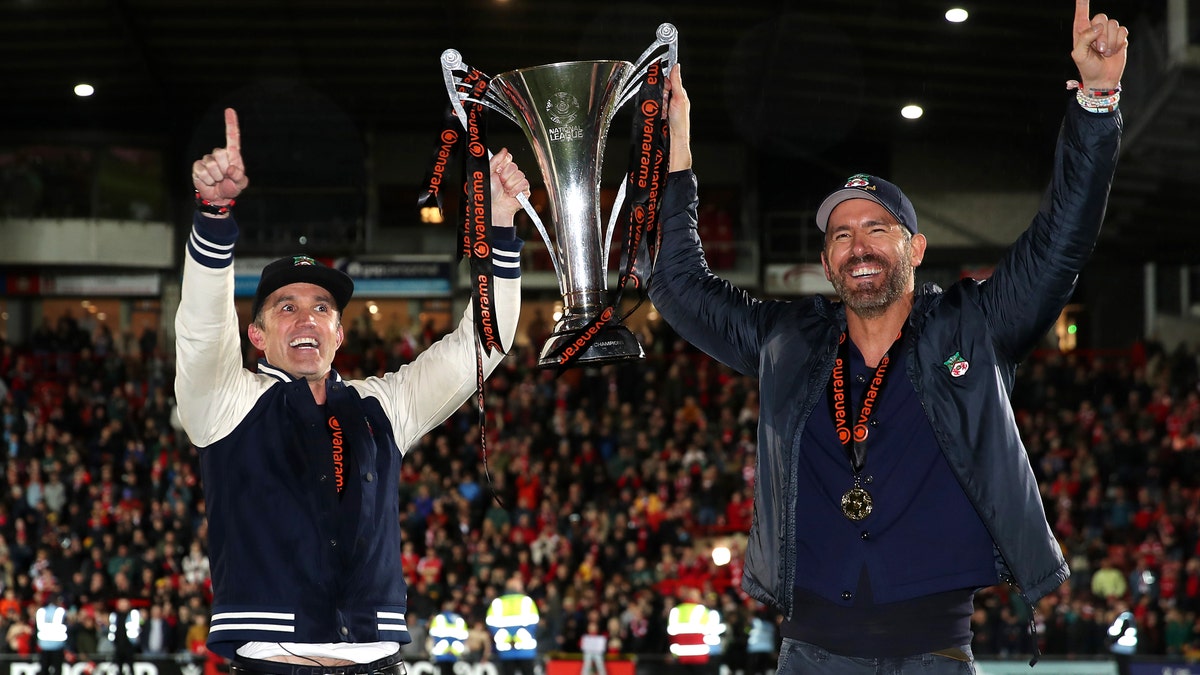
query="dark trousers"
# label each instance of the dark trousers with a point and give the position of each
(758, 663)
(51, 661)
(123, 661)
(515, 666)
(801, 658)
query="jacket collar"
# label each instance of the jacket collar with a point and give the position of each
(282, 375)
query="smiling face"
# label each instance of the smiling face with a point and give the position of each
(299, 330)
(869, 257)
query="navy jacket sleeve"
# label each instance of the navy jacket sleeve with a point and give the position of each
(1037, 275)
(721, 320)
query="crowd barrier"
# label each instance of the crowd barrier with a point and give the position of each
(1100, 666)
(189, 664)
(574, 666)
(1046, 667)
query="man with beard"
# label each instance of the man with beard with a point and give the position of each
(892, 483)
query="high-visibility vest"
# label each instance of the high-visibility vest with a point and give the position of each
(51, 627)
(762, 636)
(448, 631)
(133, 626)
(513, 620)
(694, 631)
(1123, 635)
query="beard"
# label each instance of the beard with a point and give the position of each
(872, 300)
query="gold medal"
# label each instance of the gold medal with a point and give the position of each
(856, 503)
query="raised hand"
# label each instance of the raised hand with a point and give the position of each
(678, 109)
(220, 176)
(1100, 48)
(508, 181)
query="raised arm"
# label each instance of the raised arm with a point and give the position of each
(211, 385)
(1037, 275)
(425, 392)
(712, 314)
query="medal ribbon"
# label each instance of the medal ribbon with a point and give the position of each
(646, 178)
(854, 439)
(477, 225)
(444, 158)
(468, 138)
(476, 246)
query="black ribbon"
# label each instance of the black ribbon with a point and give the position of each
(646, 182)
(444, 158)
(474, 226)
(477, 223)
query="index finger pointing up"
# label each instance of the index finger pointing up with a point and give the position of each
(1083, 15)
(233, 135)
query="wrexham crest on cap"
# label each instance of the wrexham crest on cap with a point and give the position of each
(302, 260)
(858, 180)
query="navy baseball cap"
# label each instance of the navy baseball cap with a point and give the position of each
(301, 269)
(878, 190)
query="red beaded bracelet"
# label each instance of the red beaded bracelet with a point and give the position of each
(1094, 93)
(205, 206)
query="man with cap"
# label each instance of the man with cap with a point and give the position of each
(300, 466)
(892, 483)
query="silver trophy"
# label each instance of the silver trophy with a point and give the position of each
(565, 110)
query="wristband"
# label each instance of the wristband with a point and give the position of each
(205, 206)
(1096, 100)
(1098, 104)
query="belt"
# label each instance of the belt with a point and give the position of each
(955, 653)
(316, 669)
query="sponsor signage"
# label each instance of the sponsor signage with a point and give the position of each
(1046, 667)
(1168, 668)
(88, 285)
(182, 665)
(188, 664)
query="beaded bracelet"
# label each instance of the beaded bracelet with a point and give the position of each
(205, 206)
(1098, 104)
(1096, 100)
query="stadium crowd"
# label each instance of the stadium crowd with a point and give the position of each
(603, 490)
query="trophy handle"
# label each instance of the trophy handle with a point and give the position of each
(666, 35)
(452, 61)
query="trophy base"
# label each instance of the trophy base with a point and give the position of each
(612, 343)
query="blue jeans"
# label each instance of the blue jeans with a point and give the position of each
(801, 658)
